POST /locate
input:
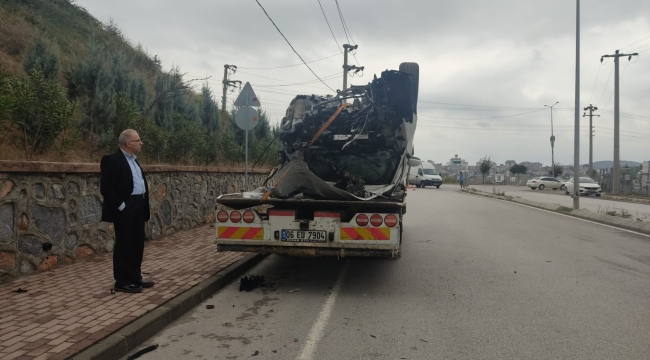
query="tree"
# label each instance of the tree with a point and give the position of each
(91, 81)
(485, 165)
(559, 170)
(41, 110)
(518, 169)
(208, 109)
(42, 57)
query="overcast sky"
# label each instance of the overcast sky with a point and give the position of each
(494, 58)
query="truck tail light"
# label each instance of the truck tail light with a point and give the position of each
(362, 219)
(390, 220)
(249, 217)
(376, 220)
(235, 216)
(222, 216)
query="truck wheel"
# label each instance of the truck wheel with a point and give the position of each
(422, 184)
(414, 70)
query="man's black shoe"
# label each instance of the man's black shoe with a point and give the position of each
(144, 283)
(130, 288)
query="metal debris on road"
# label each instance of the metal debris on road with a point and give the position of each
(209, 306)
(20, 291)
(250, 282)
(293, 291)
(142, 352)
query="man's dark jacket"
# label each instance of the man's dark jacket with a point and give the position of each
(116, 185)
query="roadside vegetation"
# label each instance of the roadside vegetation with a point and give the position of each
(69, 84)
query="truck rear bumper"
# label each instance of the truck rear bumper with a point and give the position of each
(340, 250)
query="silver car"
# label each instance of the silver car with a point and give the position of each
(545, 182)
(587, 187)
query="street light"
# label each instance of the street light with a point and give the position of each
(552, 140)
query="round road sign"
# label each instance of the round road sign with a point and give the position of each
(246, 118)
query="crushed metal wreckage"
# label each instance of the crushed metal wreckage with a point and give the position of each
(335, 150)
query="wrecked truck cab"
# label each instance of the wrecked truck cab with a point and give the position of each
(362, 147)
(339, 187)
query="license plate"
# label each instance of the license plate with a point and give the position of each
(304, 235)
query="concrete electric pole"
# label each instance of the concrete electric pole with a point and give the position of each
(576, 136)
(227, 84)
(346, 68)
(552, 140)
(616, 176)
(591, 109)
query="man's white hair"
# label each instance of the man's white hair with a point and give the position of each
(126, 136)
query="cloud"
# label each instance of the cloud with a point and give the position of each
(506, 55)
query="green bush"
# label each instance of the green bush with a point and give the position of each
(41, 111)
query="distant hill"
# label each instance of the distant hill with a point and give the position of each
(608, 164)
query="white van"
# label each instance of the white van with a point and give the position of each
(424, 175)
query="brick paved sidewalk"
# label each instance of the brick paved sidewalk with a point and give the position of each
(69, 308)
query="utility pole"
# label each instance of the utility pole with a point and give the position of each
(591, 109)
(552, 140)
(227, 84)
(346, 68)
(616, 176)
(576, 136)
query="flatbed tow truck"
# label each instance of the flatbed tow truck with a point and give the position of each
(340, 189)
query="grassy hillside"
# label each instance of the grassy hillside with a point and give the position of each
(70, 83)
(68, 26)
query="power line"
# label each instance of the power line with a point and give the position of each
(605, 88)
(287, 66)
(634, 43)
(276, 79)
(292, 48)
(328, 25)
(346, 30)
(610, 97)
(595, 82)
(487, 118)
(481, 106)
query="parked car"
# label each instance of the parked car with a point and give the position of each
(545, 182)
(587, 187)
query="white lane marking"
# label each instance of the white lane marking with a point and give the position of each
(317, 330)
(574, 217)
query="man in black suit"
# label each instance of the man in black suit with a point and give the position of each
(126, 205)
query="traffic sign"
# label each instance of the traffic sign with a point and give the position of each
(247, 118)
(247, 97)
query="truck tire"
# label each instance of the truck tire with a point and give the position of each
(413, 69)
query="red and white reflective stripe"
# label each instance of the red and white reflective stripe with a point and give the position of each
(249, 217)
(222, 216)
(282, 213)
(235, 216)
(390, 220)
(324, 214)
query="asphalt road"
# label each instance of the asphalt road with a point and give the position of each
(478, 279)
(592, 203)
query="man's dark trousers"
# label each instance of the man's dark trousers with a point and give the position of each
(129, 241)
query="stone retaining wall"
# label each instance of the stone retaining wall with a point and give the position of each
(50, 212)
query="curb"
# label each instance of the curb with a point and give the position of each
(128, 338)
(641, 227)
(626, 199)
